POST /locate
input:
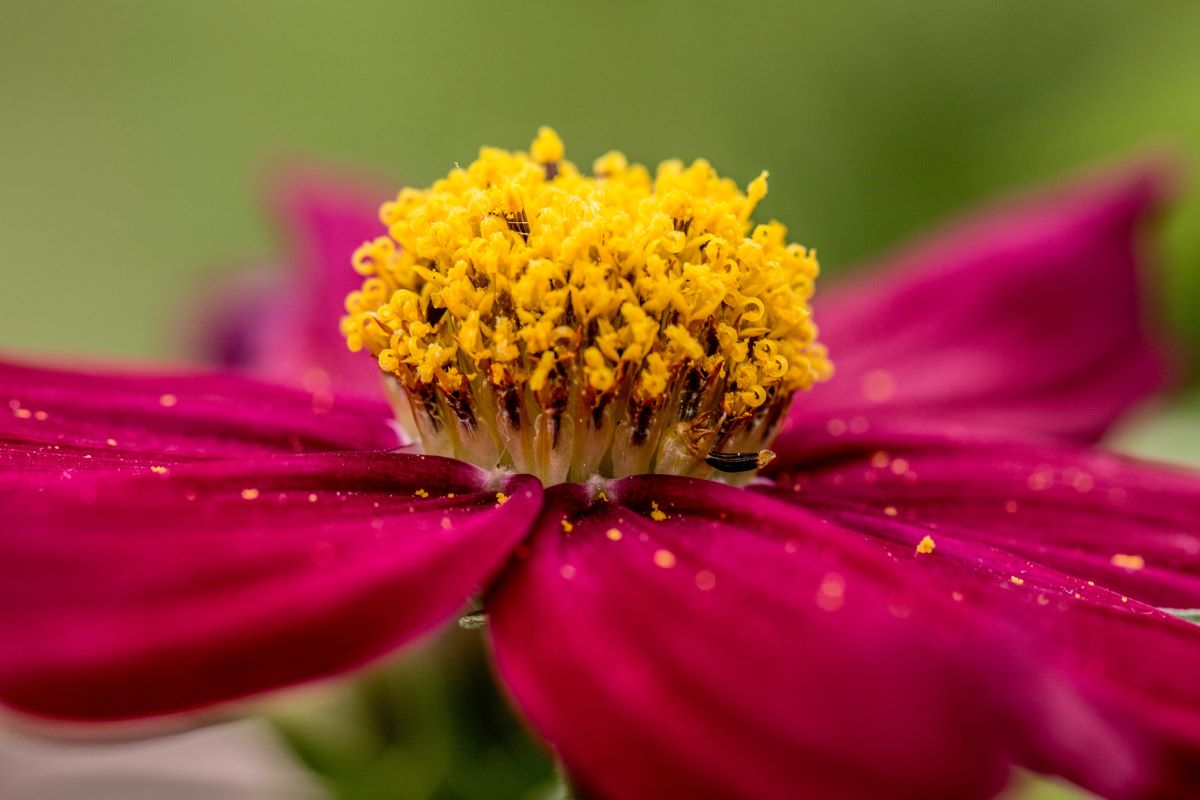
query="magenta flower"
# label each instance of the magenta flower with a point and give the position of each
(935, 579)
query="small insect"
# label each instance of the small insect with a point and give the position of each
(739, 462)
(473, 620)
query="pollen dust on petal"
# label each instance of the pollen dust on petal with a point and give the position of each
(926, 545)
(878, 386)
(250, 494)
(831, 595)
(1128, 561)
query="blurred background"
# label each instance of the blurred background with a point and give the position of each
(135, 137)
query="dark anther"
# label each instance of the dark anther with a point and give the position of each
(569, 314)
(551, 169)
(460, 404)
(428, 403)
(512, 406)
(518, 222)
(433, 313)
(641, 428)
(689, 401)
(682, 225)
(598, 410)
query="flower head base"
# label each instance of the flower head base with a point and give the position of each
(568, 325)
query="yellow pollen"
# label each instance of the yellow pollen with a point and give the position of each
(159, 470)
(422, 493)
(168, 400)
(501, 498)
(111, 442)
(656, 513)
(1131, 562)
(567, 526)
(613, 534)
(312, 498)
(249, 494)
(926, 545)
(891, 512)
(22, 413)
(539, 318)
(664, 559)
(1017, 581)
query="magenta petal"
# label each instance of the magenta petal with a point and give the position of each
(740, 647)
(1130, 526)
(1063, 543)
(53, 419)
(133, 597)
(1025, 318)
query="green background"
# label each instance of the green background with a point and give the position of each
(134, 136)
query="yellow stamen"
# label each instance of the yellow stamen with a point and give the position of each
(570, 325)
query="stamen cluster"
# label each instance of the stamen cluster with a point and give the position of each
(572, 325)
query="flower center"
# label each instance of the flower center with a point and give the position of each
(532, 317)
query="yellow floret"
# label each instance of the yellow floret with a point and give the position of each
(518, 273)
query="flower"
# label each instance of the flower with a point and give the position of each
(935, 579)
